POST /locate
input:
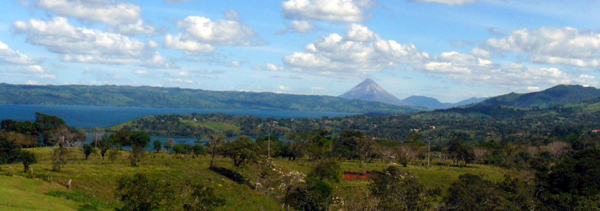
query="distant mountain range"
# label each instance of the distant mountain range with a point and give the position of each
(370, 91)
(159, 97)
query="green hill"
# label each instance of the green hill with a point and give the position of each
(144, 96)
(558, 95)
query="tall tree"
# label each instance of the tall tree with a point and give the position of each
(138, 141)
(242, 151)
(213, 146)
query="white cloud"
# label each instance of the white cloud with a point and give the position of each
(103, 11)
(302, 27)
(138, 28)
(26, 71)
(470, 70)
(566, 46)
(88, 45)
(447, 2)
(10, 56)
(219, 32)
(361, 50)
(270, 67)
(481, 53)
(189, 46)
(201, 34)
(331, 10)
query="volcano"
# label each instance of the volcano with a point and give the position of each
(370, 91)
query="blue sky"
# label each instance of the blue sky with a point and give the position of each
(447, 49)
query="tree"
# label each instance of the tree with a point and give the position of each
(140, 193)
(9, 150)
(472, 193)
(213, 146)
(294, 148)
(242, 151)
(573, 183)
(105, 144)
(157, 146)
(169, 144)
(63, 136)
(28, 158)
(460, 152)
(399, 191)
(180, 149)
(139, 140)
(60, 157)
(312, 195)
(87, 150)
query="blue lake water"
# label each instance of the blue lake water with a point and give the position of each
(104, 116)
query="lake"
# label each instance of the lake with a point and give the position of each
(104, 116)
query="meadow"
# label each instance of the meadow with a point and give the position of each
(93, 183)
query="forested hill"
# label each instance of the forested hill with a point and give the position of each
(144, 96)
(558, 95)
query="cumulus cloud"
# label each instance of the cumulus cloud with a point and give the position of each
(447, 2)
(76, 44)
(10, 56)
(138, 28)
(219, 32)
(201, 34)
(471, 70)
(360, 50)
(564, 46)
(102, 11)
(26, 71)
(330, 10)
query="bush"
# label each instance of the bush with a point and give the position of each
(312, 195)
(327, 169)
(141, 192)
(397, 190)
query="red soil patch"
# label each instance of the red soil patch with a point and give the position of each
(357, 176)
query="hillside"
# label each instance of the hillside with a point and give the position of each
(131, 96)
(558, 95)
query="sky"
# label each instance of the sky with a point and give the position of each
(448, 49)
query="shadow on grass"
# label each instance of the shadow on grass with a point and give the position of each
(232, 175)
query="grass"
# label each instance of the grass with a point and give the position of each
(18, 193)
(218, 127)
(94, 183)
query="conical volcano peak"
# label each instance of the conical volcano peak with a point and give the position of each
(370, 91)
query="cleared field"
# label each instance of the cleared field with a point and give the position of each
(94, 183)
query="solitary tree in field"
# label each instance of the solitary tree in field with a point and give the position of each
(157, 146)
(28, 158)
(87, 150)
(104, 144)
(214, 144)
(139, 140)
(169, 144)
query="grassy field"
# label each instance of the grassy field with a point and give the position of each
(94, 183)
